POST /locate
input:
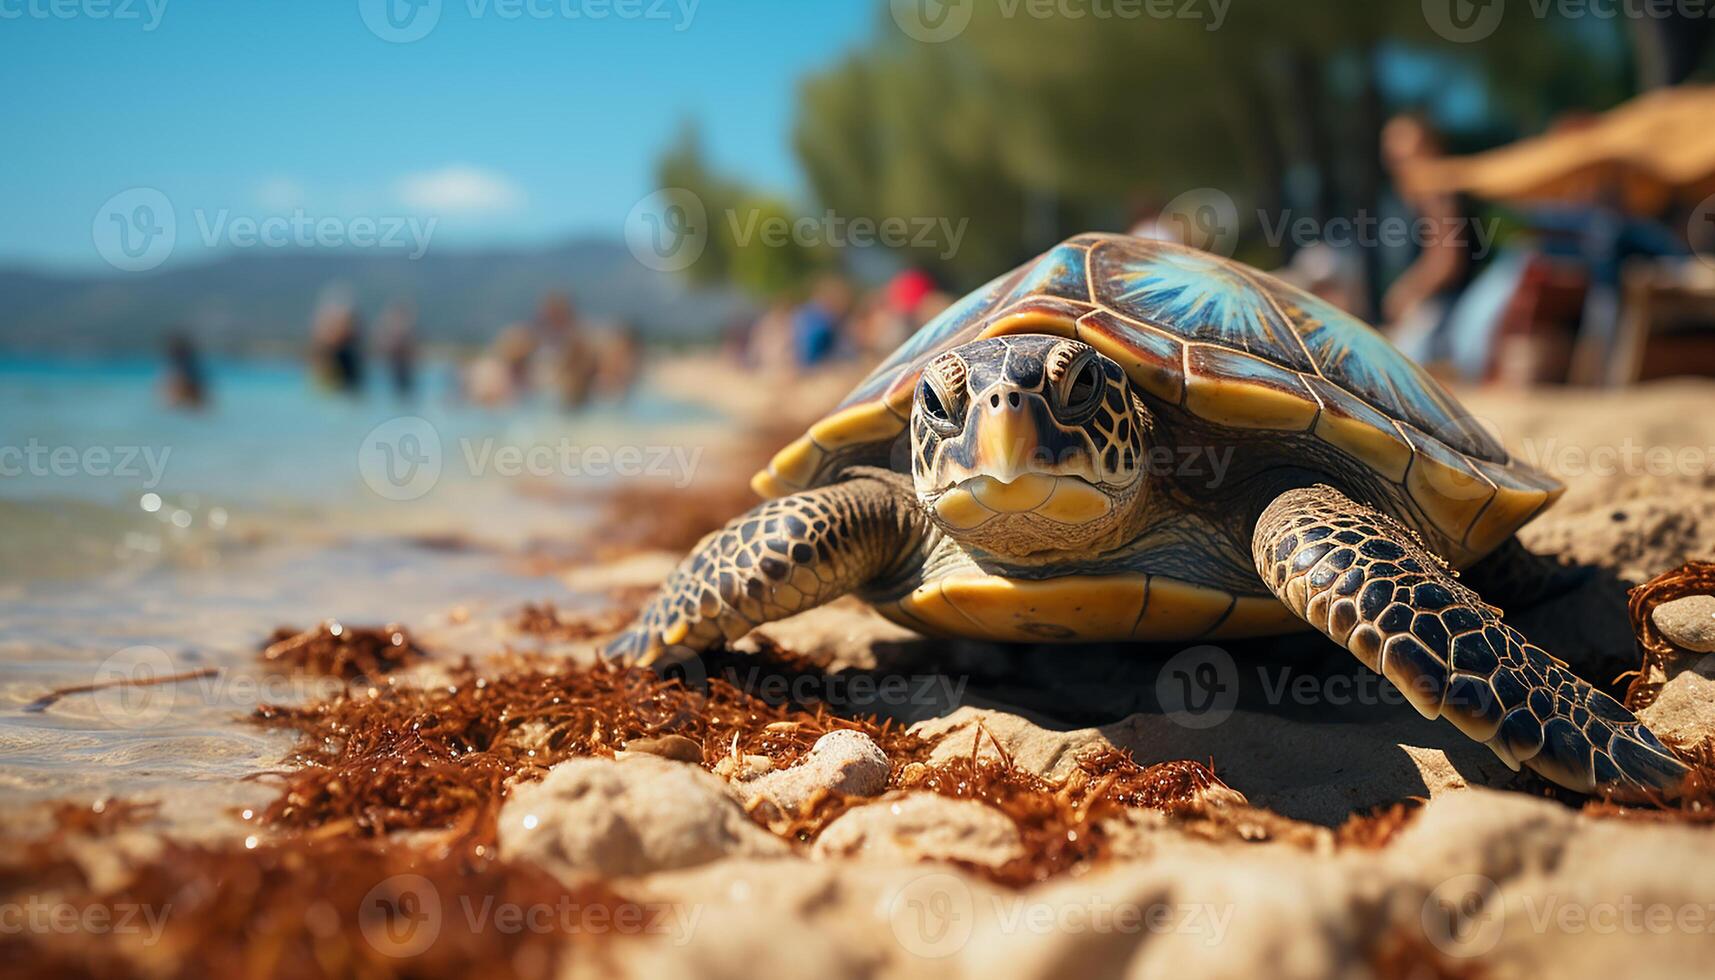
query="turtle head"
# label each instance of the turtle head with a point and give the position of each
(1029, 445)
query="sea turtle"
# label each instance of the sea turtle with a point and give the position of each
(1126, 439)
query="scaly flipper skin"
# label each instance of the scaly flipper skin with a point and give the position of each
(781, 558)
(1370, 585)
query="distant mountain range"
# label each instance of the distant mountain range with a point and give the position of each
(264, 299)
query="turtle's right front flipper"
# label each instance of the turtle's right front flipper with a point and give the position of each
(781, 558)
(1360, 577)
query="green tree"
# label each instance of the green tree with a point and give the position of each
(745, 245)
(1033, 128)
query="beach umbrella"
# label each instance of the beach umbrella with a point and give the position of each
(1644, 155)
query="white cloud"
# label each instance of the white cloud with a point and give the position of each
(460, 188)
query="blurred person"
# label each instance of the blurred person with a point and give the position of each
(336, 347)
(398, 347)
(890, 315)
(571, 359)
(621, 363)
(501, 376)
(182, 384)
(768, 347)
(1418, 305)
(818, 325)
(1601, 238)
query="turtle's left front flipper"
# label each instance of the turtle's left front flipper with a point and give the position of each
(1370, 585)
(783, 557)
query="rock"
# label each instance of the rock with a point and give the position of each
(1688, 622)
(843, 762)
(676, 747)
(919, 827)
(626, 818)
(1684, 710)
(1525, 887)
(1040, 749)
(739, 920)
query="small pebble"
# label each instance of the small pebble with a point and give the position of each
(1688, 622)
(745, 767)
(843, 762)
(676, 747)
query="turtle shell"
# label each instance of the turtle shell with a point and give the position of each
(1226, 343)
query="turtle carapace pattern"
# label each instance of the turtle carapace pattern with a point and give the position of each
(1133, 440)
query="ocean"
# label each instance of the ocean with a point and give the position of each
(137, 538)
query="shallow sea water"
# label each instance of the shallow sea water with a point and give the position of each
(261, 517)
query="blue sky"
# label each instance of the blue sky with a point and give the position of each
(508, 130)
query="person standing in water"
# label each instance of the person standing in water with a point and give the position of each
(336, 347)
(398, 348)
(572, 364)
(183, 386)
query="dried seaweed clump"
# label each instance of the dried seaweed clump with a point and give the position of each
(334, 649)
(1692, 578)
(319, 908)
(101, 818)
(400, 757)
(1375, 830)
(548, 622)
(1060, 821)
(1404, 953)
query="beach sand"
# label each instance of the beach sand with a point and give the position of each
(1264, 876)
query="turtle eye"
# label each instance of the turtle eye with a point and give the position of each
(935, 407)
(1083, 388)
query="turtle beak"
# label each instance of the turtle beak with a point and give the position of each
(1007, 441)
